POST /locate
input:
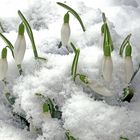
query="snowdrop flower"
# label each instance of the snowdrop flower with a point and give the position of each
(100, 89)
(107, 65)
(20, 45)
(3, 64)
(128, 64)
(65, 31)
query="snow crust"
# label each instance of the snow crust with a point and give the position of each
(85, 117)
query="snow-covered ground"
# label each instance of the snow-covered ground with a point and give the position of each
(85, 117)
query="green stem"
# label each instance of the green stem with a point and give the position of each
(75, 64)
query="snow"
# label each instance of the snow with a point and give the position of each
(85, 117)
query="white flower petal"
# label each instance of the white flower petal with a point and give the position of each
(19, 49)
(3, 68)
(100, 89)
(107, 68)
(65, 34)
(129, 70)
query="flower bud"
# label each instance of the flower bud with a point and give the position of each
(128, 67)
(3, 64)
(20, 45)
(65, 31)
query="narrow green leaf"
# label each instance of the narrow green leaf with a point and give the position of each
(69, 136)
(107, 38)
(102, 29)
(75, 63)
(135, 73)
(123, 138)
(51, 106)
(74, 48)
(9, 44)
(74, 13)
(123, 45)
(45, 107)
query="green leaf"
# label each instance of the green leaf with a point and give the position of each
(135, 73)
(74, 13)
(128, 94)
(83, 78)
(57, 114)
(9, 44)
(123, 138)
(124, 44)
(69, 136)
(74, 48)
(107, 43)
(45, 107)
(51, 106)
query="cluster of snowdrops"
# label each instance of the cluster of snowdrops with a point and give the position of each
(19, 48)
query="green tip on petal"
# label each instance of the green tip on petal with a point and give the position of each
(4, 53)
(21, 29)
(107, 51)
(66, 18)
(128, 50)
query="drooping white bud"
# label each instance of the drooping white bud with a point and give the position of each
(65, 31)
(100, 89)
(128, 67)
(3, 64)
(107, 68)
(20, 46)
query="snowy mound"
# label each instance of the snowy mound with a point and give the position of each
(87, 115)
